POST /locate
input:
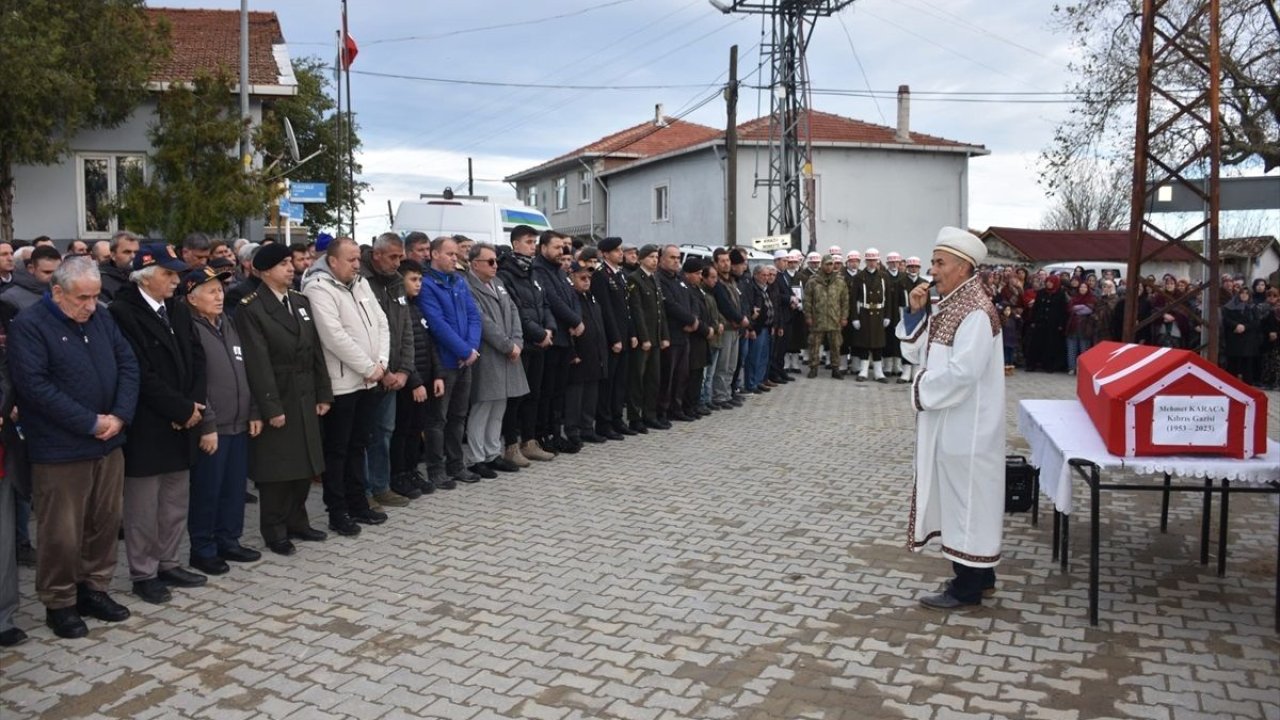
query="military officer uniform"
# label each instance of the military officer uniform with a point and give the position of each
(892, 351)
(650, 320)
(873, 304)
(609, 287)
(826, 310)
(852, 266)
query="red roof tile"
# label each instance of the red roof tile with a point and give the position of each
(1091, 245)
(829, 127)
(208, 39)
(638, 141)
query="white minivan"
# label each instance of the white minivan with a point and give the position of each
(474, 216)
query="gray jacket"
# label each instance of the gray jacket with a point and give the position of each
(230, 406)
(496, 376)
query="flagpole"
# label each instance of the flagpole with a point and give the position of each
(351, 152)
(337, 74)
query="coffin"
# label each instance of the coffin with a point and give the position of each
(1148, 400)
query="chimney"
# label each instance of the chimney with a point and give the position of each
(658, 120)
(904, 114)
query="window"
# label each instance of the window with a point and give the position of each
(531, 196)
(562, 193)
(584, 186)
(661, 203)
(99, 182)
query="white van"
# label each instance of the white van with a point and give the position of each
(1090, 266)
(474, 216)
(754, 257)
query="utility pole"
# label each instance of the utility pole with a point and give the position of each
(731, 153)
(471, 180)
(351, 150)
(246, 153)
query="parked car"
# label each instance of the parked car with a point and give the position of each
(474, 216)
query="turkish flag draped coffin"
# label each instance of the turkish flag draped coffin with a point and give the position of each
(1159, 401)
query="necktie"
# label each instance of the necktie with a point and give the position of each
(287, 307)
(164, 317)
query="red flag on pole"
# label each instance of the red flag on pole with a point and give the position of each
(349, 51)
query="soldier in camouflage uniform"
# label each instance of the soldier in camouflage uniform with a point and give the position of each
(826, 312)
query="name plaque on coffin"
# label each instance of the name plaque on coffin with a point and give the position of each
(1148, 400)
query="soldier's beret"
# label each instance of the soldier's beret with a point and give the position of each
(269, 256)
(610, 243)
(647, 250)
(693, 264)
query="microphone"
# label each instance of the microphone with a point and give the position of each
(933, 284)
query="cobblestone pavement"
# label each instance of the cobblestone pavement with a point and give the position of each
(750, 565)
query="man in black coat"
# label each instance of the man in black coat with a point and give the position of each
(609, 287)
(115, 271)
(681, 307)
(550, 274)
(784, 304)
(519, 424)
(161, 445)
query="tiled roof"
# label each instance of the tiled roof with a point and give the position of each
(638, 141)
(1242, 247)
(1086, 245)
(828, 127)
(206, 39)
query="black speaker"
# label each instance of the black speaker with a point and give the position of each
(1021, 483)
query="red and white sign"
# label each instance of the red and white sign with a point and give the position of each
(1148, 400)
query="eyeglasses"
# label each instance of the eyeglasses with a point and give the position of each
(488, 261)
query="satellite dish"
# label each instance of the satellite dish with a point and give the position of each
(292, 140)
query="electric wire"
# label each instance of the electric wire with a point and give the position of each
(861, 69)
(500, 26)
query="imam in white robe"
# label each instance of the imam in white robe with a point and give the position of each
(960, 426)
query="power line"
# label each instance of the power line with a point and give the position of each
(950, 17)
(500, 26)
(861, 69)
(542, 86)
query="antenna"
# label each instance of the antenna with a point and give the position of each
(292, 140)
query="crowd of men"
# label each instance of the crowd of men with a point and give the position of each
(145, 384)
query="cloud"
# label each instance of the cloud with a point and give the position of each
(1003, 191)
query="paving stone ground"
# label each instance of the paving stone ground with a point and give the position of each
(750, 565)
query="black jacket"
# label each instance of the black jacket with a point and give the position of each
(681, 307)
(590, 347)
(114, 278)
(644, 295)
(729, 303)
(389, 289)
(516, 272)
(780, 292)
(560, 296)
(18, 295)
(238, 292)
(610, 290)
(758, 305)
(172, 368)
(426, 365)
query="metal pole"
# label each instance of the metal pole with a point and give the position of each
(731, 152)
(351, 152)
(246, 153)
(1138, 195)
(471, 180)
(338, 195)
(1215, 165)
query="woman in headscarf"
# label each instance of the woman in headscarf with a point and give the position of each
(1104, 311)
(1270, 332)
(1241, 331)
(1259, 291)
(1081, 331)
(1047, 349)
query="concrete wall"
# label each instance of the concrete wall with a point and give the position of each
(696, 196)
(45, 196)
(578, 217)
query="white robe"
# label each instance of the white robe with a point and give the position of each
(960, 427)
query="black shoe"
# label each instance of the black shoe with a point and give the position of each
(179, 577)
(569, 447)
(369, 516)
(153, 591)
(483, 470)
(444, 482)
(210, 565)
(308, 534)
(65, 623)
(421, 483)
(282, 547)
(679, 416)
(344, 525)
(402, 484)
(99, 605)
(947, 601)
(593, 438)
(611, 434)
(466, 476)
(664, 425)
(703, 410)
(638, 427)
(737, 401)
(26, 555)
(504, 465)
(624, 430)
(250, 499)
(14, 636)
(242, 554)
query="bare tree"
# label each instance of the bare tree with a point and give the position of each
(1088, 195)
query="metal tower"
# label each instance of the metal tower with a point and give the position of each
(790, 181)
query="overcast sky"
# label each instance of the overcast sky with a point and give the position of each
(418, 134)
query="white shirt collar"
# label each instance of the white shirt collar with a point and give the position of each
(152, 302)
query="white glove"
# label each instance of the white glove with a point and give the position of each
(857, 324)
(886, 322)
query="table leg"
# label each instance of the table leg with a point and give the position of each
(1164, 505)
(1066, 540)
(1057, 532)
(1094, 533)
(1277, 576)
(1222, 528)
(1035, 502)
(1204, 521)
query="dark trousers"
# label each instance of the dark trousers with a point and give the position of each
(406, 440)
(348, 427)
(970, 581)
(580, 400)
(645, 373)
(215, 514)
(555, 378)
(447, 424)
(778, 356)
(693, 389)
(520, 422)
(282, 508)
(613, 390)
(675, 377)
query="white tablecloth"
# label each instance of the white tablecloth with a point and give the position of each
(1060, 430)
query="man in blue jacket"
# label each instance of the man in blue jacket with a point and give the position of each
(454, 321)
(76, 381)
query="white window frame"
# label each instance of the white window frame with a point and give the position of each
(112, 190)
(531, 196)
(560, 193)
(584, 186)
(663, 188)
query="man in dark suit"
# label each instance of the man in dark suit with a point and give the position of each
(683, 321)
(650, 320)
(161, 446)
(609, 286)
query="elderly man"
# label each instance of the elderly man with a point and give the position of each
(100, 251)
(681, 308)
(959, 397)
(498, 375)
(357, 342)
(758, 306)
(162, 441)
(380, 267)
(75, 399)
(826, 312)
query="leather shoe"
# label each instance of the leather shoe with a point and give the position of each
(420, 482)
(466, 476)
(13, 636)
(945, 601)
(679, 416)
(240, 553)
(484, 471)
(444, 482)
(369, 517)
(179, 577)
(308, 534)
(153, 591)
(570, 447)
(611, 434)
(65, 623)
(504, 465)
(344, 525)
(623, 429)
(987, 591)
(97, 604)
(282, 547)
(592, 438)
(638, 427)
(210, 565)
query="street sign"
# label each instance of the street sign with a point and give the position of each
(771, 243)
(291, 210)
(308, 192)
